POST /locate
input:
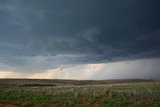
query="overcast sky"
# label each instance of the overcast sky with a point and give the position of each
(41, 36)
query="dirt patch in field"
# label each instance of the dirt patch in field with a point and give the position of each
(7, 104)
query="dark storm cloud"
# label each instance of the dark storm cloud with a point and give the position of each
(82, 31)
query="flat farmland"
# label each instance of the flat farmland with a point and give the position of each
(79, 93)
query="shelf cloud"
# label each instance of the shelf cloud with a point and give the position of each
(41, 36)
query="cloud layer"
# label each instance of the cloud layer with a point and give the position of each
(137, 69)
(39, 35)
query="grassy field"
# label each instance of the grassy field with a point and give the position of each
(74, 93)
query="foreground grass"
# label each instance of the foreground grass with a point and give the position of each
(128, 96)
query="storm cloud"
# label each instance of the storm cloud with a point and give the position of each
(37, 35)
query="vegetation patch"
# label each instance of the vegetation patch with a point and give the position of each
(43, 93)
(36, 85)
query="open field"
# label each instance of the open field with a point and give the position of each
(75, 93)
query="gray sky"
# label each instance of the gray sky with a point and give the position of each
(37, 35)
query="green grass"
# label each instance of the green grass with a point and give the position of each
(132, 96)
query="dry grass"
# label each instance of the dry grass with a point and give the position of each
(69, 93)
